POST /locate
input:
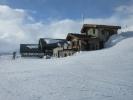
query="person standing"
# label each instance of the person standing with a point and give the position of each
(14, 55)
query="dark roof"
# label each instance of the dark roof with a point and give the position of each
(98, 26)
(52, 41)
(49, 43)
(51, 46)
(79, 36)
(57, 44)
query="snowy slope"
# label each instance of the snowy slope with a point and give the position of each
(97, 75)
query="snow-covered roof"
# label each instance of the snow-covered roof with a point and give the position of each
(52, 41)
(98, 26)
(32, 46)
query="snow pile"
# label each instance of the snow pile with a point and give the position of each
(96, 75)
(114, 40)
(117, 38)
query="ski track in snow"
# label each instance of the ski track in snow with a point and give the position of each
(67, 84)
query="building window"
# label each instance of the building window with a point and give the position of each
(103, 32)
(65, 55)
(94, 31)
(73, 44)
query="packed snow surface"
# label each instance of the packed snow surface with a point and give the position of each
(96, 75)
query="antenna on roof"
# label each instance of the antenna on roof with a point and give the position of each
(82, 19)
(126, 28)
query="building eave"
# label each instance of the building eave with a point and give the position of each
(99, 26)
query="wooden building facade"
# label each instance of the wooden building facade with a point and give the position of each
(103, 32)
(81, 42)
(92, 37)
(47, 45)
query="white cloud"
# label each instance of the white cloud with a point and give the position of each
(125, 15)
(125, 9)
(17, 26)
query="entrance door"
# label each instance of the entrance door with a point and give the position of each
(101, 44)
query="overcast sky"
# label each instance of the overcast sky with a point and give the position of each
(25, 21)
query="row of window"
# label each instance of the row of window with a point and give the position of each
(63, 54)
(32, 54)
(103, 31)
